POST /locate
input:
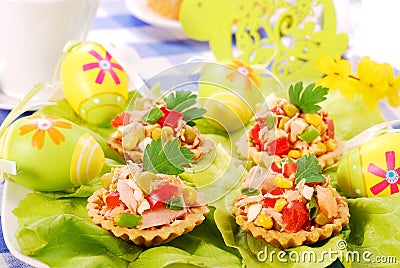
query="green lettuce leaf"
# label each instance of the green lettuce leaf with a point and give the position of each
(374, 230)
(166, 256)
(206, 128)
(58, 240)
(222, 176)
(352, 116)
(36, 206)
(204, 235)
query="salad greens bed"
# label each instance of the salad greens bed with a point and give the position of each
(55, 227)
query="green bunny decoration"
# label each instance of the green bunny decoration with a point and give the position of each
(287, 36)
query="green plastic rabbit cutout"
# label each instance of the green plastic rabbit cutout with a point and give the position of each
(289, 37)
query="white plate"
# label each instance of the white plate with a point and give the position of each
(7, 102)
(13, 193)
(142, 11)
(48, 93)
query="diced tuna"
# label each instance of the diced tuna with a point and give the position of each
(326, 202)
(159, 216)
(126, 195)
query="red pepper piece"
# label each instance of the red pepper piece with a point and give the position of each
(275, 167)
(278, 110)
(307, 225)
(121, 120)
(280, 146)
(162, 194)
(277, 191)
(261, 122)
(314, 184)
(330, 131)
(269, 202)
(254, 136)
(112, 200)
(166, 112)
(289, 168)
(294, 216)
(170, 118)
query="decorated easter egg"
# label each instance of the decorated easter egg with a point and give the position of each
(226, 110)
(94, 83)
(51, 153)
(234, 86)
(372, 168)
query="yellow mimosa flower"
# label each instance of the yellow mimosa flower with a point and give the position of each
(373, 77)
(337, 75)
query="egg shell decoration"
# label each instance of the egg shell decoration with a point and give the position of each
(94, 83)
(51, 153)
(372, 168)
(233, 87)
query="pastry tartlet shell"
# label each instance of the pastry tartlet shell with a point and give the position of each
(146, 237)
(289, 240)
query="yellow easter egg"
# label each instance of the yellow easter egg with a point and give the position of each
(371, 169)
(226, 111)
(51, 153)
(234, 87)
(94, 83)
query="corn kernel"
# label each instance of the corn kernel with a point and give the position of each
(167, 133)
(313, 119)
(322, 128)
(156, 133)
(129, 142)
(264, 221)
(318, 148)
(280, 204)
(291, 110)
(282, 182)
(190, 134)
(295, 154)
(321, 219)
(283, 122)
(330, 145)
(106, 180)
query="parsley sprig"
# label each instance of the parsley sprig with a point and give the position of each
(182, 101)
(307, 99)
(309, 168)
(166, 158)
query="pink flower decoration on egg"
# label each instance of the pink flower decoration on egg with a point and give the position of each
(105, 65)
(391, 175)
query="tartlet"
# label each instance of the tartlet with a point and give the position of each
(151, 120)
(284, 211)
(280, 129)
(159, 209)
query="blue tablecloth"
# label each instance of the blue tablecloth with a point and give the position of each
(159, 48)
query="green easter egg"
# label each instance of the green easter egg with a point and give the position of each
(51, 153)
